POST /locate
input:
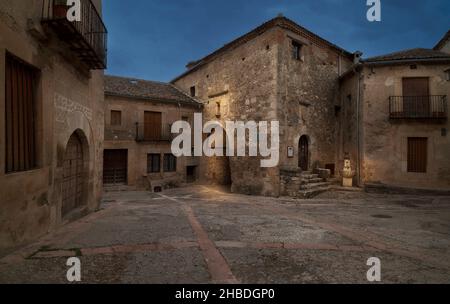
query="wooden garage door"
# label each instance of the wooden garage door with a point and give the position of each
(73, 176)
(115, 165)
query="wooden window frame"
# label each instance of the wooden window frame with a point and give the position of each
(151, 168)
(296, 48)
(114, 121)
(153, 126)
(193, 91)
(170, 163)
(21, 115)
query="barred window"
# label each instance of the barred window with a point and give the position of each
(153, 163)
(170, 163)
(20, 114)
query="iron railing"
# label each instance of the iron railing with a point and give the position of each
(418, 107)
(150, 132)
(87, 37)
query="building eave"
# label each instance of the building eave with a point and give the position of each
(156, 100)
(281, 22)
(407, 61)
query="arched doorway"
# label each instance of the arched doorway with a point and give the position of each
(303, 153)
(74, 177)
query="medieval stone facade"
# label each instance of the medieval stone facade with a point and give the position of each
(397, 132)
(137, 148)
(331, 106)
(51, 121)
(66, 134)
(278, 72)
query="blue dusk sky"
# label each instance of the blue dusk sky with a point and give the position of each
(154, 39)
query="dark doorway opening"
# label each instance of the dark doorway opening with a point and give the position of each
(303, 153)
(115, 167)
(191, 174)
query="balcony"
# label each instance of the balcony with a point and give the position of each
(149, 132)
(87, 38)
(418, 107)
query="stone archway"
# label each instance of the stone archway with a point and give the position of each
(74, 179)
(303, 153)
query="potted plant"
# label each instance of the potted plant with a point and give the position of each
(60, 9)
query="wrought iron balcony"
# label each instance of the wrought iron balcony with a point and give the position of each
(149, 132)
(418, 107)
(87, 37)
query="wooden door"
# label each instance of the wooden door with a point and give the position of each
(417, 154)
(115, 167)
(152, 125)
(416, 100)
(73, 176)
(303, 151)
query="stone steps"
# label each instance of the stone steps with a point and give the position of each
(305, 184)
(312, 180)
(312, 186)
(306, 194)
(309, 176)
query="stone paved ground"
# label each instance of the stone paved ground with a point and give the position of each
(202, 234)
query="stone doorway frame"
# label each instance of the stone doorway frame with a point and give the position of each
(83, 175)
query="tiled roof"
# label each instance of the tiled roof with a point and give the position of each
(282, 22)
(144, 89)
(412, 54)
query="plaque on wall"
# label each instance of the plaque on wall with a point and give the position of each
(290, 152)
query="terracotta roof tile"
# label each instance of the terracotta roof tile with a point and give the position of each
(144, 89)
(412, 54)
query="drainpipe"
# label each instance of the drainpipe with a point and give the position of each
(357, 62)
(358, 136)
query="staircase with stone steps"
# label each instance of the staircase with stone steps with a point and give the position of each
(305, 185)
(312, 185)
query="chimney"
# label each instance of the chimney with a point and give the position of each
(357, 57)
(191, 64)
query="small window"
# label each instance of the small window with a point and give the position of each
(296, 50)
(447, 75)
(116, 118)
(20, 115)
(185, 118)
(417, 154)
(153, 163)
(193, 91)
(218, 109)
(170, 163)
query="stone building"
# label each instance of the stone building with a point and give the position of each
(331, 106)
(282, 72)
(51, 117)
(138, 120)
(394, 119)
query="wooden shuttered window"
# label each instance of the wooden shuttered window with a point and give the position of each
(152, 125)
(417, 154)
(20, 115)
(116, 118)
